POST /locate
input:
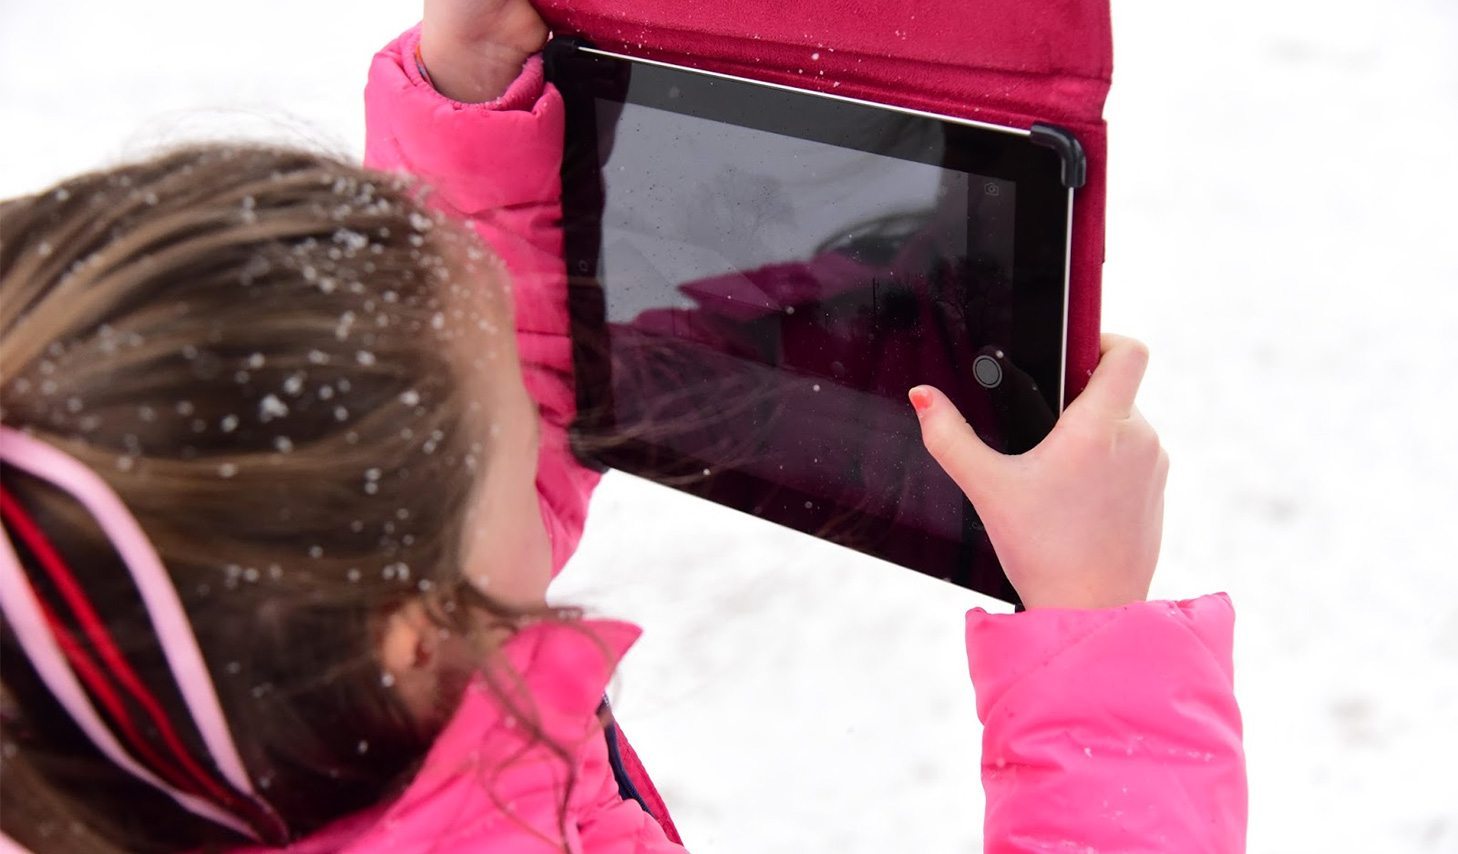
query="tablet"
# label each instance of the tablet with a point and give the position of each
(758, 274)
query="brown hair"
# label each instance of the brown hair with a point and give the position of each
(251, 346)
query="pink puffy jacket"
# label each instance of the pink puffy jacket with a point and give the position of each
(1112, 730)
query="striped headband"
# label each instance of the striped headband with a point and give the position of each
(64, 664)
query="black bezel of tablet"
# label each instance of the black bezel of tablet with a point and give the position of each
(1044, 175)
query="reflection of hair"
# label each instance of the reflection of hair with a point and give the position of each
(250, 345)
(675, 394)
(688, 416)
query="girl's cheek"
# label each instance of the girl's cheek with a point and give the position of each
(509, 555)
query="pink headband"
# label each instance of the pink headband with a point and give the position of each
(26, 616)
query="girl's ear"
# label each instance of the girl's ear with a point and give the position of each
(407, 655)
(405, 641)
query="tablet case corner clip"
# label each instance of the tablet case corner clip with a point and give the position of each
(1069, 150)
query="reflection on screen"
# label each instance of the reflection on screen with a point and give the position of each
(771, 299)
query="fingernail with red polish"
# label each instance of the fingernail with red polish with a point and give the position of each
(921, 398)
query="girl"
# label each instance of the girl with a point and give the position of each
(282, 495)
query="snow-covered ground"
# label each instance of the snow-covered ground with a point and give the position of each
(1280, 232)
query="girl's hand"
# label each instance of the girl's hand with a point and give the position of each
(1077, 520)
(473, 49)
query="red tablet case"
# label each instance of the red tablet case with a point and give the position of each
(1010, 62)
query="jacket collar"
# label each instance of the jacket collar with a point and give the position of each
(556, 673)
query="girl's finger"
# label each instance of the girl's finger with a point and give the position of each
(951, 441)
(1115, 382)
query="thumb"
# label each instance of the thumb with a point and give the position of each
(1115, 382)
(955, 446)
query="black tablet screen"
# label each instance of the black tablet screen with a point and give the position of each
(752, 306)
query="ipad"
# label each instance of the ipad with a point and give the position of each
(757, 275)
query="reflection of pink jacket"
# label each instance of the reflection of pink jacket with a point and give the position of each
(1110, 730)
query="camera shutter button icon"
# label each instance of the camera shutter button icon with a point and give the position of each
(987, 372)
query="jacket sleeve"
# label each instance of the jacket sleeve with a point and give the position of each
(1110, 730)
(496, 165)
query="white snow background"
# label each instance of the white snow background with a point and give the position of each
(1281, 233)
